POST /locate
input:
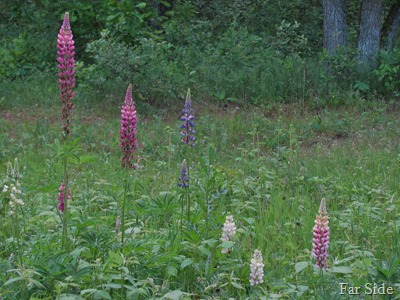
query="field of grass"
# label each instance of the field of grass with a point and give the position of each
(267, 167)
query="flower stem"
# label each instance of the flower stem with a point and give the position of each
(123, 211)
(188, 204)
(65, 243)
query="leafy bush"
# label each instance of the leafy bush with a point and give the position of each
(238, 67)
(388, 73)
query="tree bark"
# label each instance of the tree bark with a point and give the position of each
(391, 27)
(334, 24)
(370, 32)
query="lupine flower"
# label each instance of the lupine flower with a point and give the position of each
(256, 269)
(61, 197)
(321, 236)
(117, 224)
(15, 198)
(128, 143)
(187, 125)
(183, 180)
(228, 232)
(12, 191)
(66, 66)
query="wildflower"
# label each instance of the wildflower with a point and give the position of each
(117, 224)
(228, 232)
(5, 189)
(128, 143)
(183, 180)
(256, 269)
(187, 125)
(321, 236)
(61, 197)
(66, 66)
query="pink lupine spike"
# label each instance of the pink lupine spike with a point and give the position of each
(61, 197)
(321, 237)
(128, 143)
(66, 66)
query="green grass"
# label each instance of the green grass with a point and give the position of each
(267, 166)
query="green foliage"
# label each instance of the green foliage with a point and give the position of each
(388, 73)
(289, 41)
(238, 66)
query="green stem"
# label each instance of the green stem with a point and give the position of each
(65, 242)
(17, 237)
(123, 211)
(188, 204)
(181, 224)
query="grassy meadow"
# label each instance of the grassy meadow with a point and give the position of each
(267, 166)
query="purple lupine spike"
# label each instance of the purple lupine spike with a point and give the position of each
(128, 143)
(183, 180)
(187, 125)
(321, 237)
(66, 66)
(117, 224)
(61, 197)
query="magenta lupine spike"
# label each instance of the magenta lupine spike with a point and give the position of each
(66, 66)
(128, 143)
(321, 237)
(187, 125)
(61, 197)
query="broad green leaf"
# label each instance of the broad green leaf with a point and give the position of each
(174, 295)
(186, 262)
(300, 266)
(237, 285)
(69, 297)
(172, 271)
(227, 244)
(342, 270)
(103, 294)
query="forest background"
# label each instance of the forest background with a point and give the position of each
(253, 52)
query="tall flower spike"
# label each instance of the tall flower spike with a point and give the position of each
(183, 180)
(117, 224)
(66, 66)
(187, 125)
(128, 143)
(321, 237)
(61, 197)
(256, 269)
(228, 232)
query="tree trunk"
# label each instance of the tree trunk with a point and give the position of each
(334, 24)
(391, 27)
(370, 32)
